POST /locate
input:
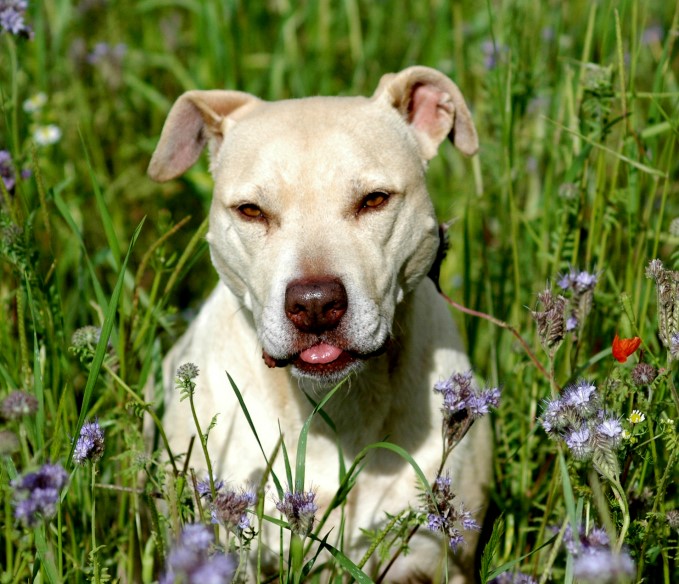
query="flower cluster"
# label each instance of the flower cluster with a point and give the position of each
(299, 507)
(37, 493)
(463, 402)
(12, 13)
(90, 443)
(189, 561)
(587, 429)
(580, 287)
(185, 375)
(18, 404)
(230, 508)
(445, 517)
(594, 561)
(459, 395)
(667, 291)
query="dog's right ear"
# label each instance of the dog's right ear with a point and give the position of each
(196, 118)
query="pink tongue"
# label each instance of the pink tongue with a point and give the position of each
(321, 353)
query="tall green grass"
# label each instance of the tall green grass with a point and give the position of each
(577, 108)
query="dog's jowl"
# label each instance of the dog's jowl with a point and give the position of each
(322, 233)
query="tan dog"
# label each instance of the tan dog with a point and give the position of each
(322, 232)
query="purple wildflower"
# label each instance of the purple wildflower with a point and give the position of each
(12, 13)
(571, 323)
(103, 52)
(610, 431)
(18, 404)
(459, 394)
(37, 493)
(578, 282)
(603, 566)
(6, 168)
(230, 508)
(90, 443)
(300, 510)
(446, 517)
(579, 443)
(582, 398)
(204, 490)
(513, 578)
(674, 346)
(190, 561)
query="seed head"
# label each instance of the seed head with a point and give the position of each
(643, 374)
(300, 510)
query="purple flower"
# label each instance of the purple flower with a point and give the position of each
(300, 510)
(18, 404)
(674, 346)
(610, 431)
(90, 443)
(603, 566)
(571, 323)
(455, 540)
(12, 14)
(643, 374)
(459, 394)
(578, 282)
(103, 52)
(6, 167)
(230, 508)
(37, 493)
(515, 578)
(204, 490)
(444, 516)
(190, 562)
(581, 397)
(579, 442)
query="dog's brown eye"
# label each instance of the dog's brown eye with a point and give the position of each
(374, 200)
(251, 211)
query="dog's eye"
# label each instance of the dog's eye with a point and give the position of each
(251, 211)
(374, 200)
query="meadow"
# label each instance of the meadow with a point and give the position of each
(563, 269)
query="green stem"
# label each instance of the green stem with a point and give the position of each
(95, 561)
(203, 444)
(148, 410)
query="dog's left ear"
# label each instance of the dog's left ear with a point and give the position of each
(433, 106)
(197, 118)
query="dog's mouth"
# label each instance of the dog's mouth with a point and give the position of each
(322, 360)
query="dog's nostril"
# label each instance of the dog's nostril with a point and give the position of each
(315, 305)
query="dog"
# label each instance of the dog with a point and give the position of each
(322, 233)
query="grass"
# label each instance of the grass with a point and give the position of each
(577, 108)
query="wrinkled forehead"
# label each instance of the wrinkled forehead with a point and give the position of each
(318, 140)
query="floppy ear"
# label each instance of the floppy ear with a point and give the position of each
(433, 106)
(195, 118)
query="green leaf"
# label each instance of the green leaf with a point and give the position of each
(102, 345)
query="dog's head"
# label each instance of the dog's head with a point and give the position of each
(321, 222)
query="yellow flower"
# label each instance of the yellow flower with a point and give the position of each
(636, 417)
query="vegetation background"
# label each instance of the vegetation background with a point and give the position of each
(576, 105)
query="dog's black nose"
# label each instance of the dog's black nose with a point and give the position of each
(314, 306)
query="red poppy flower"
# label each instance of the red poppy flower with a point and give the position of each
(623, 348)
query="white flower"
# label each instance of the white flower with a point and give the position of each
(46, 135)
(35, 103)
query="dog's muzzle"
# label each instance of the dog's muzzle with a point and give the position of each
(315, 307)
